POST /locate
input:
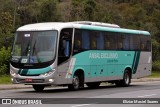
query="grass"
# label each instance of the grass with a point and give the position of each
(155, 74)
(6, 79)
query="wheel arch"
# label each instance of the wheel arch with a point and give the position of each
(77, 71)
(129, 70)
(80, 73)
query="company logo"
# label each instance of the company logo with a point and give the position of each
(6, 101)
(21, 101)
(103, 55)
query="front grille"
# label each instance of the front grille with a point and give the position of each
(33, 81)
(29, 75)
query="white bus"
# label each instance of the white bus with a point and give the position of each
(78, 53)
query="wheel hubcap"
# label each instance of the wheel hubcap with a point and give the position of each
(75, 82)
(127, 78)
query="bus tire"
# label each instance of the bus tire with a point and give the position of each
(125, 82)
(38, 88)
(75, 83)
(93, 84)
(126, 78)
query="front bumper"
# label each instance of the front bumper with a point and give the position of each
(32, 80)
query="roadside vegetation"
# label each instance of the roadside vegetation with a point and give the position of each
(133, 14)
(155, 74)
(5, 79)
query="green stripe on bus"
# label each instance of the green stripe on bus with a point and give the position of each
(34, 71)
(133, 64)
(109, 29)
(136, 61)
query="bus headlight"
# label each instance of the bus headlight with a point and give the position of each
(51, 80)
(12, 73)
(48, 73)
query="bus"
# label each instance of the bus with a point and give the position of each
(76, 53)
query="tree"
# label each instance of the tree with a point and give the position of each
(64, 10)
(77, 12)
(5, 23)
(48, 11)
(89, 8)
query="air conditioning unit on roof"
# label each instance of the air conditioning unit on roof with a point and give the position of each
(97, 24)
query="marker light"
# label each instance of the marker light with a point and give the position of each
(12, 73)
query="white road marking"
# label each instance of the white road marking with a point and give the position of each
(147, 95)
(81, 105)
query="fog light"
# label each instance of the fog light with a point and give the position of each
(51, 80)
(12, 79)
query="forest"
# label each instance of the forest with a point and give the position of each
(131, 14)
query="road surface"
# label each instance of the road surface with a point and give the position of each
(89, 97)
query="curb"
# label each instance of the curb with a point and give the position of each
(14, 86)
(22, 86)
(145, 79)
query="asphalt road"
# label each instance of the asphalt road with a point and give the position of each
(89, 97)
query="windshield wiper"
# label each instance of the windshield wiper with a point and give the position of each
(27, 50)
(34, 47)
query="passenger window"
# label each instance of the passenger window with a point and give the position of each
(148, 44)
(120, 42)
(134, 42)
(113, 41)
(85, 40)
(77, 41)
(107, 40)
(93, 38)
(100, 40)
(126, 42)
(145, 43)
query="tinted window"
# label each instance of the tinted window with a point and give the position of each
(78, 40)
(119, 41)
(100, 40)
(126, 42)
(85, 40)
(107, 41)
(134, 42)
(113, 37)
(145, 43)
(93, 38)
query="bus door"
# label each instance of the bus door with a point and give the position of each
(64, 53)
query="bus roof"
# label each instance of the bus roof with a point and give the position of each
(61, 25)
(110, 29)
(44, 26)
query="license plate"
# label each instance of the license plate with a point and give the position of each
(28, 80)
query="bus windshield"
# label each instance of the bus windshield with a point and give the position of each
(31, 47)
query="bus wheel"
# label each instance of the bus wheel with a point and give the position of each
(126, 79)
(93, 84)
(38, 88)
(75, 83)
